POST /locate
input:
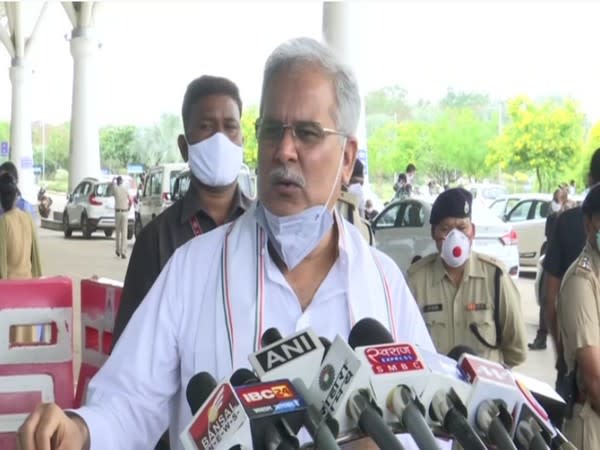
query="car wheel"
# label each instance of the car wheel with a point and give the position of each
(108, 233)
(85, 226)
(68, 231)
(137, 227)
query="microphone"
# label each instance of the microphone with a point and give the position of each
(404, 402)
(220, 422)
(490, 379)
(450, 411)
(397, 372)
(326, 344)
(369, 331)
(529, 437)
(488, 418)
(296, 356)
(270, 336)
(457, 351)
(342, 391)
(322, 430)
(275, 410)
(198, 389)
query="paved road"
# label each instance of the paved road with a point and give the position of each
(80, 258)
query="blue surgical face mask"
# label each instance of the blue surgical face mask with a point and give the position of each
(294, 237)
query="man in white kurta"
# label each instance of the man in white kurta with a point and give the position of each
(289, 262)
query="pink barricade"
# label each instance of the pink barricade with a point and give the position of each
(36, 349)
(100, 298)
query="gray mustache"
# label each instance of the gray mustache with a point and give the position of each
(284, 175)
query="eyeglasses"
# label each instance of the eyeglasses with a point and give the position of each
(306, 133)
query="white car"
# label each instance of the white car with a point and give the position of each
(528, 218)
(485, 193)
(402, 231)
(91, 207)
(156, 195)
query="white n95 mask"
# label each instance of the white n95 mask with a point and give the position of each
(295, 237)
(215, 161)
(456, 248)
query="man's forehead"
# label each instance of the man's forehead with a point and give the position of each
(215, 106)
(453, 221)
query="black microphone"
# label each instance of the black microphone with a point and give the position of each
(449, 410)
(219, 417)
(326, 344)
(322, 430)
(368, 332)
(275, 410)
(198, 389)
(270, 336)
(401, 399)
(457, 351)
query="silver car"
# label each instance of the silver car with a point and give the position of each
(91, 207)
(402, 231)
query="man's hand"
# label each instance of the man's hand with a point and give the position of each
(49, 428)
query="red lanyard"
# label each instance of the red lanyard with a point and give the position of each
(195, 224)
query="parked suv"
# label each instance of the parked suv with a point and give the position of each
(91, 207)
(181, 184)
(246, 180)
(156, 194)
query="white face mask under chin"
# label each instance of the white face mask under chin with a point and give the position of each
(215, 161)
(295, 237)
(456, 248)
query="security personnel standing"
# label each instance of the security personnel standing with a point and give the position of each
(466, 298)
(122, 205)
(578, 309)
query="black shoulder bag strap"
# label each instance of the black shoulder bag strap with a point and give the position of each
(473, 325)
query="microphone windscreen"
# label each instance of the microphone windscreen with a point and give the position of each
(326, 344)
(456, 352)
(270, 336)
(243, 376)
(368, 331)
(198, 389)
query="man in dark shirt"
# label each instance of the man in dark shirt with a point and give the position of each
(568, 239)
(211, 118)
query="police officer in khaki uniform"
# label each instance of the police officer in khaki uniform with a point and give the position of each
(578, 309)
(466, 298)
(348, 205)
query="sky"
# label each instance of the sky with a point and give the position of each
(150, 51)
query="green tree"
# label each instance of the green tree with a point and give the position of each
(459, 145)
(250, 145)
(158, 143)
(390, 101)
(57, 147)
(117, 147)
(543, 138)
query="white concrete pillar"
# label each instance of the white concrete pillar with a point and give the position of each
(341, 31)
(21, 151)
(84, 145)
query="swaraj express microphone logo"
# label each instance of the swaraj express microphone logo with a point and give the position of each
(217, 420)
(269, 397)
(393, 358)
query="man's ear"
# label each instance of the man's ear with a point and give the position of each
(350, 152)
(183, 147)
(473, 231)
